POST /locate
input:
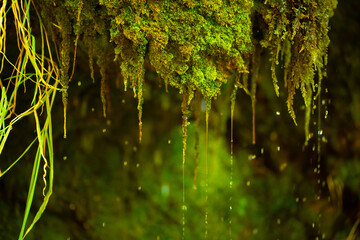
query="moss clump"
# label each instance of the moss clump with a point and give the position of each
(297, 31)
(191, 45)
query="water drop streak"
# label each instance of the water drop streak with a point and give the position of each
(232, 107)
(185, 112)
(206, 167)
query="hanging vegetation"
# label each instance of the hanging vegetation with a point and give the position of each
(193, 46)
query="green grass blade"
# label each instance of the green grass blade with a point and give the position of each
(26, 150)
(30, 196)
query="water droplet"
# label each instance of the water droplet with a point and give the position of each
(125, 163)
(262, 151)
(184, 208)
(297, 199)
(278, 113)
(283, 166)
(138, 165)
(123, 101)
(304, 199)
(278, 221)
(313, 225)
(93, 109)
(169, 141)
(278, 148)
(64, 158)
(134, 148)
(323, 139)
(165, 190)
(251, 157)
(323, 102)
(139, 188)
(320, 132)
(126, 142)
(104, 130)
(79, 83)
(103, 224)
(248, 183)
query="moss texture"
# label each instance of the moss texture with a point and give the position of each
(197, 45)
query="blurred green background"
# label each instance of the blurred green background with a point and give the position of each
(108, 186)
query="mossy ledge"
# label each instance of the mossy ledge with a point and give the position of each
(196, 45)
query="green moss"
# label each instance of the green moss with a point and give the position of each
(188, 43)
(200, 44)
(298, 30)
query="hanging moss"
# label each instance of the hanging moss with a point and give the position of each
(199, 44)
(297, 31)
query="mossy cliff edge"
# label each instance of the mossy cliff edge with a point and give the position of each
(196, 45)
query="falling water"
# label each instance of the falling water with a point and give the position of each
(232, 107)
(185, 123)
(206, 166)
